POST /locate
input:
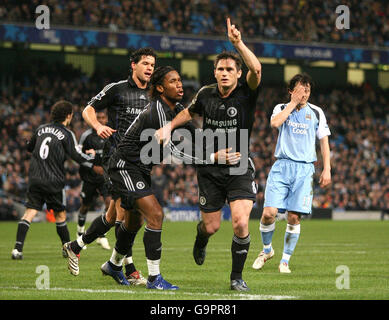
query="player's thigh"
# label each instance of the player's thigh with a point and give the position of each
(89, 193)
(130, 184)
(242, 187)
(300, 198)
(56, 201)
(151, 210)
(212, 194)
(277, 187)
(35, 198)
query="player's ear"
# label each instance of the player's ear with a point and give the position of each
(239, 73)
(133, 65)
(159, 88)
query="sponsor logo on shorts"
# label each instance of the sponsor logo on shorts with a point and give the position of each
(203, 201)
(140, 185)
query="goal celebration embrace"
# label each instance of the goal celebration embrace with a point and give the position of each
(194, 150)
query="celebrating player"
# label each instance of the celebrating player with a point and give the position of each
(124, 100)
(50, 145)
(93, 184)
(226, 106)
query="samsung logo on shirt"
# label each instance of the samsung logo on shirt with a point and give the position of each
(223, 123)
(51, 130)
(133, 110)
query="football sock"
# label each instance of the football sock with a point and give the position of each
(116, 260)
(117, 226)
(128, 263)
(81, 223)
(63, 231)
(99, 227)
(201, 237)
(292, 235)
(23, 227)
(267, 235)
(122, 240)
(239, 249)
(153, 250)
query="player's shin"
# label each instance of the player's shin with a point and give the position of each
(153, 250)
(63, 231)
(23, 227)
(292, 235)
(267, 232)
(239, 251)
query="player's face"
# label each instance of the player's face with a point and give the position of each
(102, 118)
(307, 93)
(172, 86)
(144, 68)
(226, 73)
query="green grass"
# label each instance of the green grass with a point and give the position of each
(362, 246)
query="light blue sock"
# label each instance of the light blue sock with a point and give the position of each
(292, 235)
(267, 235)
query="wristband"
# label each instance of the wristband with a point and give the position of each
(212, 158)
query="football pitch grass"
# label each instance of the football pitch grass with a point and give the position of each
(325, 253)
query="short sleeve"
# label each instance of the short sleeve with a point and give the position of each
(277, 109)
(322, 129)
(196, 106)
(104, 98)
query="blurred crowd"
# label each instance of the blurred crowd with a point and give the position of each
(292, 20)
(357, 117)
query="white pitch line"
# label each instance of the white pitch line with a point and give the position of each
(240, 296)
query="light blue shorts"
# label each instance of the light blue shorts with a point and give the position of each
(289, 186)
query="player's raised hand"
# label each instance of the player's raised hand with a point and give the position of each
(233, 33)
(297, 94)
(104, 131)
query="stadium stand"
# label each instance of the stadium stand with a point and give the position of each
(276, 20)
(357, 116)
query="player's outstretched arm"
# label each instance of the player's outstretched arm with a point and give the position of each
(89, 115)
(325, 177)
(163, 134)
(254, 75)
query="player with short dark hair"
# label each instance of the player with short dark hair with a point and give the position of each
(130, 174)
(289, 186)
(93, 184)
(50, 146)
(226, 107)
(124, 101)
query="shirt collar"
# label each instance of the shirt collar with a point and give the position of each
(132, 84)
(179, 107)
(215, 90)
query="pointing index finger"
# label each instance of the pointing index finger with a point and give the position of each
(228, 24)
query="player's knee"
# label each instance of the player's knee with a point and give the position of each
(268, 215)
(240, 226)
(212, 228)
(155, 219)
(294, 218)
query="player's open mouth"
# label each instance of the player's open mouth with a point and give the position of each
(180, 93)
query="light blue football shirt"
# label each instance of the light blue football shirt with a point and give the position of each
(297, 135)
